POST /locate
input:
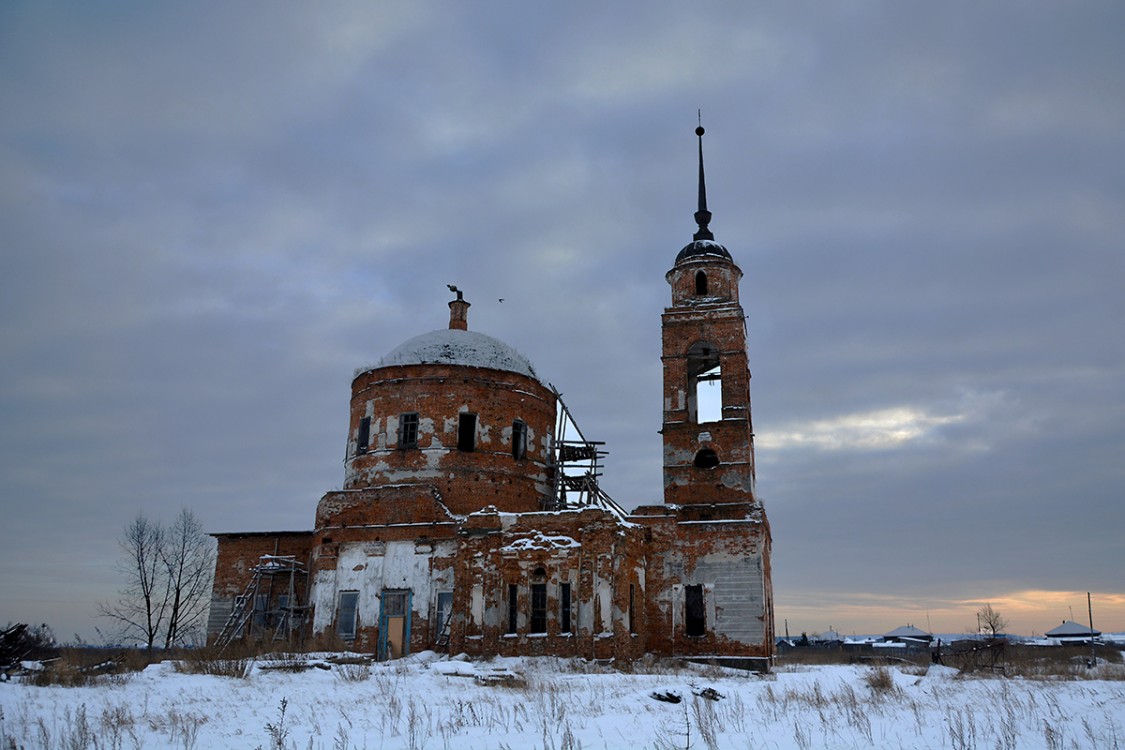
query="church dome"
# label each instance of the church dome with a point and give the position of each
(701, 248)
(456, 347)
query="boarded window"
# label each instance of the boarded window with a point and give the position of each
(564, 608)
(538, 608)
(261, 604)
(467, 432)
(700, 282)
(513, 607)
(346, 614)
(695, 615)
(519, 440)
(363, 438)
(408, 430)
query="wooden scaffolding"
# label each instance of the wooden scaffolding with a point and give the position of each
(272, 607)
(577, 466)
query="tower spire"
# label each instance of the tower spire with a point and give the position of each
(702, 216)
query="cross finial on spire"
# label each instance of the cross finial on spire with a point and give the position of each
(702, 216)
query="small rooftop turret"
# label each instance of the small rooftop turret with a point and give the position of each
(458, 310)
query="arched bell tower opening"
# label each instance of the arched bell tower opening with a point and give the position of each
(704, 384)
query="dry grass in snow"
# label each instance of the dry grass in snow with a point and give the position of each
(314, 702)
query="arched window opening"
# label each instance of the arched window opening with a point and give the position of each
(700, 283)
(705, 384)
(706, 459)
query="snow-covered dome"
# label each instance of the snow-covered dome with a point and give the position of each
(699, 248)
(456, 347)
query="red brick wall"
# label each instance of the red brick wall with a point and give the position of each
(467, 481)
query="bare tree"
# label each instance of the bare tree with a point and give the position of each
(167, 581)
(142, 605)
(189, 564)
(990, 621)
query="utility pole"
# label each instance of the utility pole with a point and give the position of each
(1093, 652)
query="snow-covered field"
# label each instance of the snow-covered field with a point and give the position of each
(429, 702)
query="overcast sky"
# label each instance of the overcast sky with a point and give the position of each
(211, 213)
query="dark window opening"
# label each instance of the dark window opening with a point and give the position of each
(706, 459)
(442, 618)
(695, 616)
(632, 608)
(705, 384)
(564, 608)
(700, 282)
(408, 430)
(519, 440)
(346, 614)
(513, 607)
(538, 608)
(467, 432)
(363, 439)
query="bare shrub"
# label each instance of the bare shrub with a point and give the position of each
(353, 671)
(238, 668)
(78, 668)
(278, 733)
(880, 680)
(233, 662)
(706, 722)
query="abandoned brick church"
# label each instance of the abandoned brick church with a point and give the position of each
(469, 522)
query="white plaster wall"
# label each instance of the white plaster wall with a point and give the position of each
(370, 567)
(604, 594)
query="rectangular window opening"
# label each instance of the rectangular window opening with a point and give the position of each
(709, 395)
(363, 438)
(695, 615)
(467, 432)
(513, 607)
(564, 608)
(408, 430)
(346, 614)
(442, 619)
(538, 608)
(519, 440)
(632, 608)
(394, 603)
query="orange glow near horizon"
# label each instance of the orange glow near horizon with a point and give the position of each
(1028, 612)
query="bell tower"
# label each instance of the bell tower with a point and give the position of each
(708, 434)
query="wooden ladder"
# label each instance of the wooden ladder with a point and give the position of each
(239, 614)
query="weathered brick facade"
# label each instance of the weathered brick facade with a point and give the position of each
(441, 537)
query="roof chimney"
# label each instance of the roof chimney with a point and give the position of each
(458, 311)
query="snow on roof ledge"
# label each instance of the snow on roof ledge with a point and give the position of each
(541, 541)
(450, 346)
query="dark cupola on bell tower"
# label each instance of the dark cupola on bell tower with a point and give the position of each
(708, 435)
